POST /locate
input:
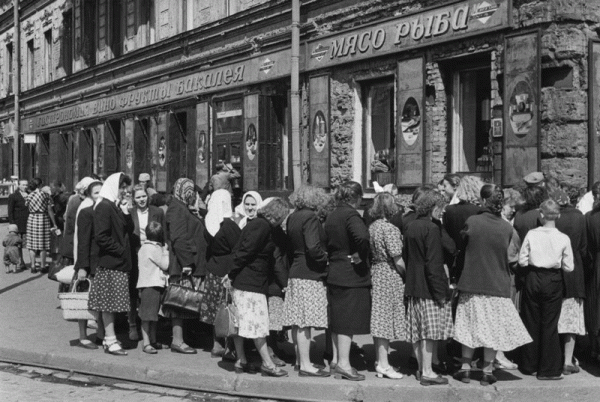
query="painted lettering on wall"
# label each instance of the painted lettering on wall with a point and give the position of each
(434, 25)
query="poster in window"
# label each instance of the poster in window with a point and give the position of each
(203, 143)
(319, 153)
(251, 142)
(162, 151)
(411, 121)
(319, 130)
(129, 155)
(521, 106)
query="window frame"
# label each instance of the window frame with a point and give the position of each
(48, 47)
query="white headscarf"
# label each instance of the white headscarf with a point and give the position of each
(219, 208)
(240, 208)
(83, 184)
(110, 189)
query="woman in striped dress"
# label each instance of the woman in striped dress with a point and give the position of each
(41, 214)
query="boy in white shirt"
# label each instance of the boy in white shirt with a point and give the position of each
(153, 261)
(545, 253)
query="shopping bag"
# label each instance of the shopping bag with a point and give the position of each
(183, 298)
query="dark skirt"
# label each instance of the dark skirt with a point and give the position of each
(149, 303)
(350, 310)
(110, 291)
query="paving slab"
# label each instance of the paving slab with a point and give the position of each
(32, 332)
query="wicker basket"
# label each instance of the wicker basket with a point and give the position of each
(74, 304)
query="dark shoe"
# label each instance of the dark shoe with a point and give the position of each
(568, 369)
(317, 366)
(319, 373)
(159, 346)
(230, 356)
(550, 377)
(240, 368)
(353, 375)
(44, 270)
(277, 361)
(487, 379)
(116, 352)
(183, 348)
(272, 372)
(149, 349)
(90, 346)
(463, 376)
(439, 380)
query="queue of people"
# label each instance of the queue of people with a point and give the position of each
(466, 266)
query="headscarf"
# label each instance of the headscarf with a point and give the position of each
(110, 189)
(83, 184)
(219, 208)
(184, 190)
(240, 208)
(87, 202)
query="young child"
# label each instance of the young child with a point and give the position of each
(429, 311)
(545, 252)
(12, 249)
(153, 259)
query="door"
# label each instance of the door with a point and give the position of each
(228, 129)
(86, 153)
(112, 147)
(44, 156)
(141, 145)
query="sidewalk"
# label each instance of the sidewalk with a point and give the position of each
(33, 332)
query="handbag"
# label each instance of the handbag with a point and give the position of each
(226, 320)
(74, 304)
(183, 298)
(56, 268)
(66, 274)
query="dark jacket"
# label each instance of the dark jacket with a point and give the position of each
(253, 257)
(112, 229)
(154, 214)
(278, 276)
(525, 221)
(347, 234)
(422, 250)
(59, 202)
(87, 247)
(308, 244)
(487, 238)
(18, 211)
(572, 223)
(187, 244)
(220, 250)
(592, 274)
(66, 243)
(455, 218)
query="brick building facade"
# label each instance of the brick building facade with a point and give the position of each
(392, 91)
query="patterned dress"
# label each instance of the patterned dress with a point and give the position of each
(305, 303)
(38, 222)
(388, 319)
(253, 314)
(215, 295)
(572, 319)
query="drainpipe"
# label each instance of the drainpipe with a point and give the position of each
(295, 94)
(16, 87)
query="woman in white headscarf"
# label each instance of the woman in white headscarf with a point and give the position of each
(223, 234)
(247, 209)
(112, 227)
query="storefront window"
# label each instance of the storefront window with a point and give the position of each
(229, 116)
(380, 138)
(471, 120)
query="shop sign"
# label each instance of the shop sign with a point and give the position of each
(30, 139)
(260, 68)
(436, 25)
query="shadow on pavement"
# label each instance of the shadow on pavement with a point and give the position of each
(23, 282)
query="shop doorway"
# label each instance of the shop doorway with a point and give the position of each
(471, 93)
(86, 153)
(43, 157)
(228, 133)
(182, 145)
(141, 147)
(61, 163)
(112, 147)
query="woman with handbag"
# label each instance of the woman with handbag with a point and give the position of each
(112, 228)
(253, 258)
(187, 254)
(85, 251)
(305, 305)
(142, 213)
(222, 233)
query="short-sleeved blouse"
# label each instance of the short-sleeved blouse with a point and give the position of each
(386, 241)
(38, 202)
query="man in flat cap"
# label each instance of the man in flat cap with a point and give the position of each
(534, 179)
(144, 180)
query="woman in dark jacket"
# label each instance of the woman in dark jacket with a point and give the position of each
(485, 315)
(592, 276)
(572, 322)
(112, 227)
(85, 251)
(349, 277)
(305, 304)
(428, 313)
(187, 253)
(253, 262)
(142, 214)
(222, 235)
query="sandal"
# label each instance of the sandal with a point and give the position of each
(149, 349)
(114, 349)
